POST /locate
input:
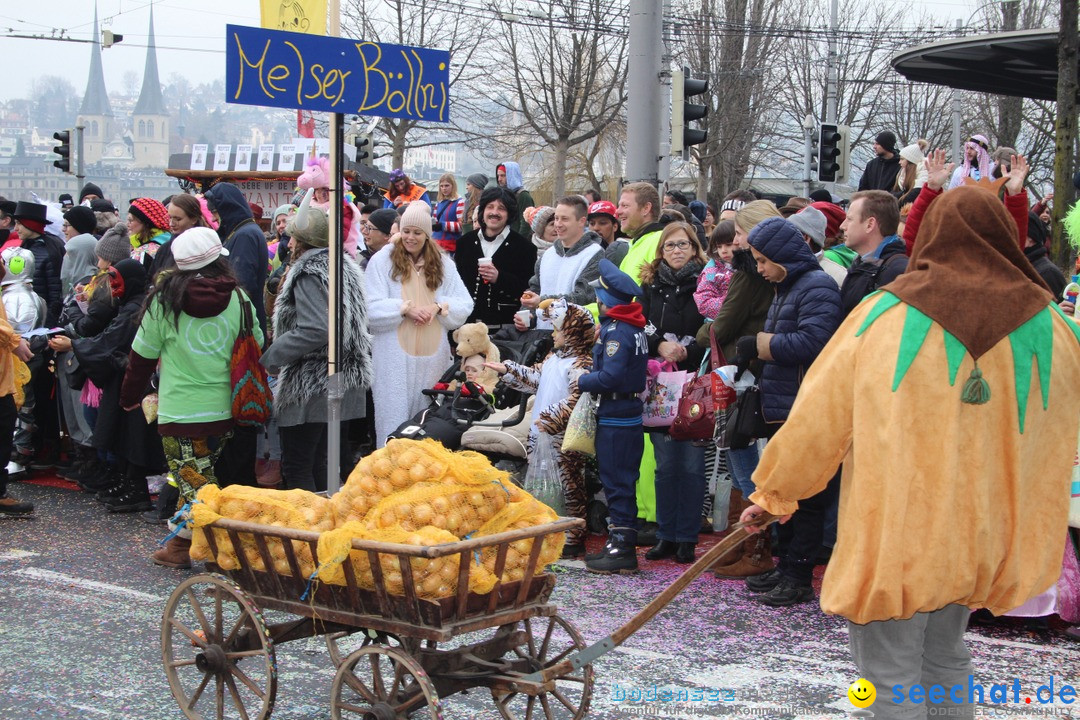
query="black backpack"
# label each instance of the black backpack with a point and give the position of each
(864, 278)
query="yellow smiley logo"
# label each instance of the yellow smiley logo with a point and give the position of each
(862, 693)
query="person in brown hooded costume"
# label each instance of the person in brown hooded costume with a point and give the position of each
(952, 425)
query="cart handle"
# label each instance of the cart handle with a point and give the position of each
(586, 656)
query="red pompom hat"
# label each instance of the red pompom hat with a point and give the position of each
(150, 212)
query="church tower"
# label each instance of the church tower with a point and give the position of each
(150, 120)
(95, 114)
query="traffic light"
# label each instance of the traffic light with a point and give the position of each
(844, 158)
(828, 153)
(682, 112)
(365, 145)
(63, 150)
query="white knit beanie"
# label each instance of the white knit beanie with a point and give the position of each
(418, 215)
(913, 154)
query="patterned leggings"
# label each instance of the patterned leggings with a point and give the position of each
(191, 462)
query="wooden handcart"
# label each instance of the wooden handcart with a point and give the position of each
(396, 655)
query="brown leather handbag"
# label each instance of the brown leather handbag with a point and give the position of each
(702, 397)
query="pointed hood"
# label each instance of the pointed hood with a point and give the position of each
(968, 273)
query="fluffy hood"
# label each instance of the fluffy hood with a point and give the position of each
(231, 206)
(513, 175)
(208, 297)
(781, 242)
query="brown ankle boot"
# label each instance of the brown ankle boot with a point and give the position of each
(175, 554)
(756, 559)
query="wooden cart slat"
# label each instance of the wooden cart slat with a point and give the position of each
(406, 615)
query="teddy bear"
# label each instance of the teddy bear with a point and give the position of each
(473, 339)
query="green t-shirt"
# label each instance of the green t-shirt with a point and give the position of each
(195, 385)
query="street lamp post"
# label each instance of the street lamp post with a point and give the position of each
(808, 128)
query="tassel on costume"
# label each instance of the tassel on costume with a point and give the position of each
(976, 390)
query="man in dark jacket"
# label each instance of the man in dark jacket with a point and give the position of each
(48, 250)
(494, 261)
(246, 247)
(870, 230)
(244, 241)
(881, 171)
(1035, 251)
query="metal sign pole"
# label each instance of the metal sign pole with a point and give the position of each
(334, 314)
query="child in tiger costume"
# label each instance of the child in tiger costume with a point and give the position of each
(554, 382)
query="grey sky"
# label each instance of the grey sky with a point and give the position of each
(188, 25)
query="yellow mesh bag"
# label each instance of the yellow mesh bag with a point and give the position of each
(396, 467)
(516, 516)
(458, 508)
(433, 577)
(297, 509)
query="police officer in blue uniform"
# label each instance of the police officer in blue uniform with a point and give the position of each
(617, 378)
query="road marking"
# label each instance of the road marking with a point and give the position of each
(638, 652)
(60, 578)
(16, 554)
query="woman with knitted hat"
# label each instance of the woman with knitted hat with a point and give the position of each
(415, 296)
(298, 355)
(188, 325)
(541, 220)
(148, 228)
(474, 187)
(912, 175)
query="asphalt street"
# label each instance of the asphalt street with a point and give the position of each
(80, 637)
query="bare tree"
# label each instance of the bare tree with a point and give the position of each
(564, 80)
(432, 24)
(725, 41)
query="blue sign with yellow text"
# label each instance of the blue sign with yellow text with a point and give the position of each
(338, 75)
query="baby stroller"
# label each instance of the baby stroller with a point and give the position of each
(449, 414)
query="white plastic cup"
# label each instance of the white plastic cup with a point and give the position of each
(484, 261)
(525, 316)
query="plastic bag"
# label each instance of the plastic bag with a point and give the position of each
(580, 434)
(663, 392)
(542, 477)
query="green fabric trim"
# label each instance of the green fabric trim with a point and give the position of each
(916, 327)
(954, 352)
(1073, 325)
(1035, 338)
(887, 301)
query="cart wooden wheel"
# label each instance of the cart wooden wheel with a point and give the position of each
(382, 683)
(548, 640)
(343, 644)
(218, 656)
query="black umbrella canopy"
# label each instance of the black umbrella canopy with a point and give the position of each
(1022, 63)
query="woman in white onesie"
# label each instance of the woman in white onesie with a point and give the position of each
(414, 297)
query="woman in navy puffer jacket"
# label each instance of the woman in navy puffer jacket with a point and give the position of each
(801, 319)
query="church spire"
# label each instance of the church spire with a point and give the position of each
(96, 99)
(150, 100)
